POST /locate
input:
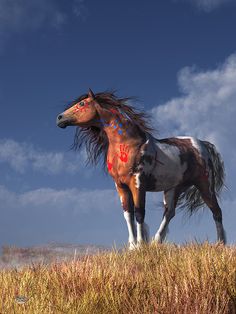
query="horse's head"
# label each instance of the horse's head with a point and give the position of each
(81, 113)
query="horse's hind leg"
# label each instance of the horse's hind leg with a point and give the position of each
(170, 200)
(209, 197)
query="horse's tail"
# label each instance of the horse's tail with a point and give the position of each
(191, 198)
(217, 167)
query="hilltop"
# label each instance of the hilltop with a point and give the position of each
(193, 278)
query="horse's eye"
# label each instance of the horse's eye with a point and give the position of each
(81, 104)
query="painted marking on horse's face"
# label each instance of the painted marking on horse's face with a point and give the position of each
(82, 106)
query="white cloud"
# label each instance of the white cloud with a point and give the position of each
(31, 15)
(22, 156)
(79, 9)
(16, 15)
(209, 5)
(73, 200)
(207, 110)
(48, 215)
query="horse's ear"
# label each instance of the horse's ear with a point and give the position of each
(91, 94)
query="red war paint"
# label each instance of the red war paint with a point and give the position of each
(115, 111)
(124, 151)
(81, 109)
(76, 109)
(109, 165)
(122, 155)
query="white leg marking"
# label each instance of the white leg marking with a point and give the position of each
(160, 235)
(142, 233)
(140, 237)
(169, 213)
(131, 229)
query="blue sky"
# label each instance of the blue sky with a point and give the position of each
(178, 57)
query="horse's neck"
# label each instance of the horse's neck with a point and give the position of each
(120, 130)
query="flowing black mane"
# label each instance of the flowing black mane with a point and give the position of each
(94, 139)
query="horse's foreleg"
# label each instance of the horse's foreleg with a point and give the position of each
(128, 207)
(170, 200)
(129, 217)
(139, 194)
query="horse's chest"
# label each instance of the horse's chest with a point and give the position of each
(120, 162)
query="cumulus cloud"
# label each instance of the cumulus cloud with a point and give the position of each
(22, 157)
(206, 109)
(209, 5)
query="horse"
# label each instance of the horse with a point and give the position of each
(188, 170)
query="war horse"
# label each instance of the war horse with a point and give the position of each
(189, 171)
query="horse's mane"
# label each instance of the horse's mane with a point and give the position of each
(94, 139)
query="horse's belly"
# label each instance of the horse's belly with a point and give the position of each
(165, 177)
(166, 169)
(161, 182)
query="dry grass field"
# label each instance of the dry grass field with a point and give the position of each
(193, 278)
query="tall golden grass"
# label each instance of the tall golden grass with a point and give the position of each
(193, 278)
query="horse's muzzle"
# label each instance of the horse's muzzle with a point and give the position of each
(63, 122)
